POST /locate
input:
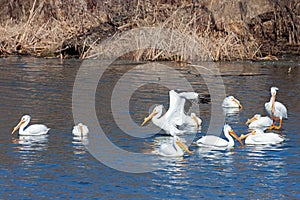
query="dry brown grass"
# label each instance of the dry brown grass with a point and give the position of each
(191, 37)
(39, 34)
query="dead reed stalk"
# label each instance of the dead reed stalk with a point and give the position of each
(63, 28)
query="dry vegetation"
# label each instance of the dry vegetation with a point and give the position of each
(56, 28)
(278, 30)
(43, 30)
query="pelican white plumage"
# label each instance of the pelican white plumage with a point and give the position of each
(175, 116)
(275, 109)
(231, 102)
(174, 148)
(214, 141)
(80, 130)
(257, 121)
(257, 136)
(35, 129)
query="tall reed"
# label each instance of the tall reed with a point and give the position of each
(67, 28)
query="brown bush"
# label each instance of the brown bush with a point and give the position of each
(71, 28)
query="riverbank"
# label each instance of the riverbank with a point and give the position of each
(227, 30)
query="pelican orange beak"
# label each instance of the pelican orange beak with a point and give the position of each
(81, 130)
(253, 132)
(245, 136)
(273, 103)
(146, 119)
(237, 102)
(248, 121)
(18, 126)
(196, 120)
(251, 120)
(183, 146)
(233, 134)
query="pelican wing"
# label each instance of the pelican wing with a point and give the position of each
(280, 110)
(176, 115)
(36, 129)
(268, 107)
(212, 140)
(189, 95)
(176, 107)
(177, 104)
(266, 138)
(261, 122)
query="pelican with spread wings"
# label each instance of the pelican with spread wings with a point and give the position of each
(175, 116)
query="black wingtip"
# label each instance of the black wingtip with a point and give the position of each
(204, 98)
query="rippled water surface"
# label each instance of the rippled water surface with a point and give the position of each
(59, 166)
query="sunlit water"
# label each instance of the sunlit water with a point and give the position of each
(59, 166)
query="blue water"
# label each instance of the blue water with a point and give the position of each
(59, 166)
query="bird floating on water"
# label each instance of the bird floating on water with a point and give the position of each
(174, 148)
(275, 109)
(175, 116)
(257, 136)
(214, 141)
(231, 102)
(34, 129)
(80, 130)
(257, 121)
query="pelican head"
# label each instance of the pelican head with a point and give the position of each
(254, 118)
(24, 121)
(228, 129)
(235, 101)
(157, 109)
(274, 91)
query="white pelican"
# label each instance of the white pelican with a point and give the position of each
(231, 102)
(174, 148)
(214, 141)
(257, 121)
(80, 130)
(35, 129)
(257, 136)
(175, 116)
(275, 109)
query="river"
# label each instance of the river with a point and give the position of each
(60, 166)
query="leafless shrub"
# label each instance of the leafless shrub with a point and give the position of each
(55, 28)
